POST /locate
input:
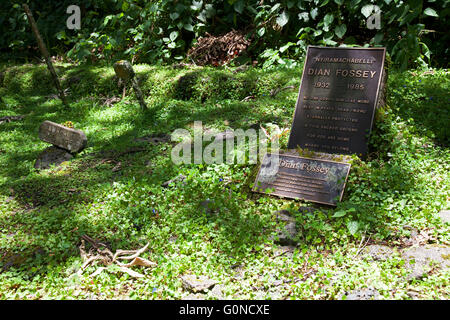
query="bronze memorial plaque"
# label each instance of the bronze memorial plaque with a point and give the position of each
(294, 177)
(337, 99)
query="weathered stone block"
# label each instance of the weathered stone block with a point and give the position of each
(421, 259)
(197, 284)
(69, 139)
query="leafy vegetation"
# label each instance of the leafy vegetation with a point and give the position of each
(414, 31)
(117, 196)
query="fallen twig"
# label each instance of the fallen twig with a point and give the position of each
(360, 249)
(248, 98)
(11, 118)
(275, 91)
(101, 252)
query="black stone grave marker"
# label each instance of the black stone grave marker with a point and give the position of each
(337, 99)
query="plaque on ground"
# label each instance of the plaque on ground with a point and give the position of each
(337, 99)
(295, 177)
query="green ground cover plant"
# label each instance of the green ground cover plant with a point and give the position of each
(116, 196)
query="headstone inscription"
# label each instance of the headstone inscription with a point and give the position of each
(295, 177)
(337, 99)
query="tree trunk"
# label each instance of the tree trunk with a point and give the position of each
(44, 52)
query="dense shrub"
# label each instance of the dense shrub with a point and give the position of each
(413, 31)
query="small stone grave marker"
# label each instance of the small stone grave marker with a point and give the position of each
(66, 138)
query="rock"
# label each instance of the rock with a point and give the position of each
(192, 296)
(52, 156)
(208, 205)
(286, 235)
(363, 294)
(154, 139)
(14, 260)
(419, 259)
(284, 251)
(284, 215)
(66, 138)
(179, 178)
(445, 216)
(413, 295)
(217, 292)
(318, 155)
(259, 295)
(197, 284)
(73, 80)
(276, 293)
(241, 68)
(378, 252)
(254, 125)
(238, 271)
(305, 209)
(124, 70)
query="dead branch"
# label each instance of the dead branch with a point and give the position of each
(100, 252)
(44, 52)
(276, 91)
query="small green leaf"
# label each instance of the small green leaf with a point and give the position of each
(188, 27)
(430, 12)
(314, 12)
(378, 38)
(328, 19)
(367, 10)
(283, 19)
(340, 30)
(239, 6)
(196, 5)
(275, 8)
(303, 16)
(261, 31)
(174, 15)
(285, 47)
(173, 35)
(340, 213)
(353, 227)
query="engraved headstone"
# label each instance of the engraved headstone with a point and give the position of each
(66, 138)
(297, 177)
(337, 99)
